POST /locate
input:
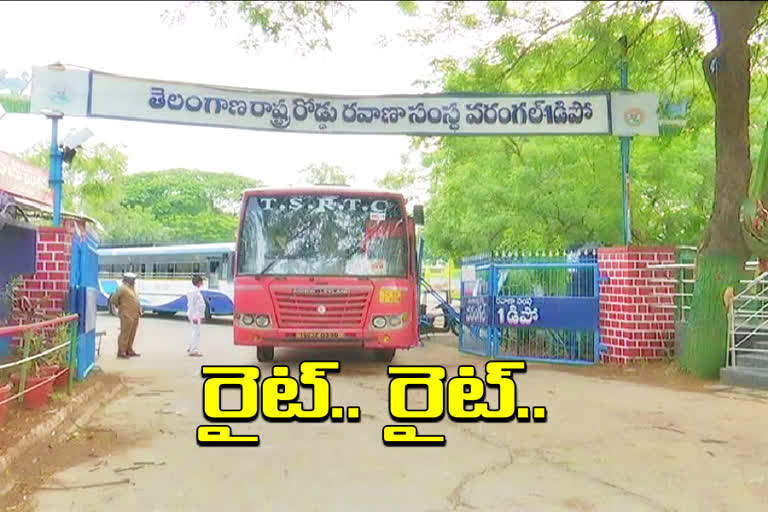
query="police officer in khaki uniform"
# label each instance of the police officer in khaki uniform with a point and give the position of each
(126, 301)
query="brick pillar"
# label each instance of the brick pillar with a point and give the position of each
(48, 288)
(632, 325)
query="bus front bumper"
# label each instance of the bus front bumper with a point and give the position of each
(397, 339)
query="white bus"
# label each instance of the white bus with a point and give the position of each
(164, 275)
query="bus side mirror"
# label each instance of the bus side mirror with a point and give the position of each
(418, 215)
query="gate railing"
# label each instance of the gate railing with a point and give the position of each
(546, 310)
(681, 275)
(748, 324)
(27, 358)
(747, 312)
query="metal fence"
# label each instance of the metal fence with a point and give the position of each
(45, 373)
(544, 308)
(681, 274)
(748, 325)
(747, 315)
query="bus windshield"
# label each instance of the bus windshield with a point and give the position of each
(336, 235)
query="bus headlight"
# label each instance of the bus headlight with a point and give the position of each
(379, 322)
(255, 321)
(389, 321)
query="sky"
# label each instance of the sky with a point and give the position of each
(131, 38)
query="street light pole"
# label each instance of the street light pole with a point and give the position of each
(55, 179)
(624, 146)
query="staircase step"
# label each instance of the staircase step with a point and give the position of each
(745, 377)
(753, 360)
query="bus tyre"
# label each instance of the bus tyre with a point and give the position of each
(384, 356)
(265, 354)
(208, 314)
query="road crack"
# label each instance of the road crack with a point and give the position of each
(455, 497)
(626, 492)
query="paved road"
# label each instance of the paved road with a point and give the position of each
(607, 445)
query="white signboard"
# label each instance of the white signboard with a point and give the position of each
(64, 91)
(634, 113)
(24, 180)
(97, 94)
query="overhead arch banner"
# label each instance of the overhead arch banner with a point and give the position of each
(90, 93)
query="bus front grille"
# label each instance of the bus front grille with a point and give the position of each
(321, 311)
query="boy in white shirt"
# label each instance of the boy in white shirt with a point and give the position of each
(195, 314)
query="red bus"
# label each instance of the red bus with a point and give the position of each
(326, 267)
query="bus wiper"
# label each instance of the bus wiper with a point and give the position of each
(269, 266)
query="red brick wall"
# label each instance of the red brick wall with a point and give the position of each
(632, 325)
(47, 290)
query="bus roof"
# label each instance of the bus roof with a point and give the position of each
(323, 189)
(170, 249)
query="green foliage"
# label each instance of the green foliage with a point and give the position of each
(408, 7)
(92, 181)
(551, 192)
(62, 335)
(398, 180)
(134, 226)
(171, 206)
(14, 104)
(180, 206)
(36, 344)
(306, 24)
(325, 174)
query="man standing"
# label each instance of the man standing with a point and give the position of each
(195, 313)
(129, 309)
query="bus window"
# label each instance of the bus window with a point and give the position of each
(184, 268)
(214, 270)
(196, 268)
(224, 269)
(384, 243)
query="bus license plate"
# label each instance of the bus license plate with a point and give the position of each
(318, 335)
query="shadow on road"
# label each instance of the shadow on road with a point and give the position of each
(153, 317)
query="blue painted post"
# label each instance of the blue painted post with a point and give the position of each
(491, 319)
(421, 275)
(461, 311)
(596, 294)
(624, 145)
(55, 177)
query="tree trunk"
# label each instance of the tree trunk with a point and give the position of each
(723, 251)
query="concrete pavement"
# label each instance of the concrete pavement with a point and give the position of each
(607, 445)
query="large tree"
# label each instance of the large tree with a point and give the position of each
(193, 206)
(171, 206)
(526, 26)
(325, 174)
(92, 180)
(723, 251)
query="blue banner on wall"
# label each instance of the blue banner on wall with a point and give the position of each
(474, 311)
(580, 313)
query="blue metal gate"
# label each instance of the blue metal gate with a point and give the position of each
(84, 285)
(545, 311)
